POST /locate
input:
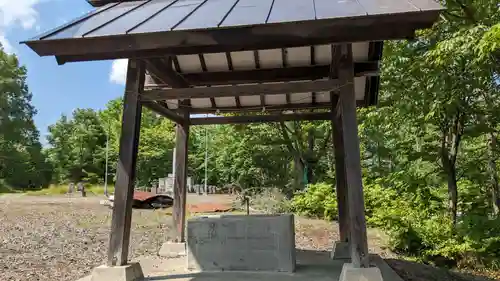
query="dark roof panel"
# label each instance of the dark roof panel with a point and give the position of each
(169, 18)
(248, 12)
(97, 21)
(134, 18)
(338, 9)
(211, 13)
(377, 7)
(426, 5)
(292, 10)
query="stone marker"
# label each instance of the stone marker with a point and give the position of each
(241, 243)
(172, 250)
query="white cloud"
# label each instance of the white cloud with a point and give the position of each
(7, 47)
(16, 12)
(118, 71)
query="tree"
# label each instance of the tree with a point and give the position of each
(77, 147)
(22, 163)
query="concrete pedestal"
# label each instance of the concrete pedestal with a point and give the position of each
(349, 273)
(341, 251)
(241, 243)
(172, 250)
(129, 272)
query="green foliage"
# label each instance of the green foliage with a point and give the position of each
(22, 163)
(318, 200)
(76, 151)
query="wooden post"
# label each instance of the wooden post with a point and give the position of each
(125, 174)
(340, 176)
(180, 188)
(359, 245)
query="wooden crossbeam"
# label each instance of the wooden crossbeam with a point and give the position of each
(242, 90)
(273, 74)
(163, 111)
(244, 119)
(166, 73)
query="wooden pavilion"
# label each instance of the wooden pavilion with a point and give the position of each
(266, 60)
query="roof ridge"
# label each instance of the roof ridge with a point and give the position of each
(99, 3)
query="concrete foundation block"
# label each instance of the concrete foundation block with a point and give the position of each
(241, 243)
(349, 273)
(129, 272)
(172, 250)
(341, 251)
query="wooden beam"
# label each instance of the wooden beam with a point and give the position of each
(258, 108)
(270, 108)
(204, 68)
(163, 111)
(242, 90)
(284, 59)
(244, 119)
(125, 174)
(340, 176)
(359, 245)
(166, 73)
(180, 176)
(264, 75)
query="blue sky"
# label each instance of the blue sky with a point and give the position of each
(56, 89)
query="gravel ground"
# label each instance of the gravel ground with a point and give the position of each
(61, 238)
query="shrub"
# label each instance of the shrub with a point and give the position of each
(271, 201)
(318, 200)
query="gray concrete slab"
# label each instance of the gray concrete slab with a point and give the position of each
(240, 242)
(311, 265)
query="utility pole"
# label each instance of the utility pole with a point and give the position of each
(106, 168)
(206, 160)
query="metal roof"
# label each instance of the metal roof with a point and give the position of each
(170, 15)
(115, 29)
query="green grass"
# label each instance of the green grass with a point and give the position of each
(63, 189)
(4, 188)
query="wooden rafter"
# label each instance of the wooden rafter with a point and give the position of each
(244, 119)
(262, 75)
(166, 73)
(242, 90)
(256, 108)
(163, 111)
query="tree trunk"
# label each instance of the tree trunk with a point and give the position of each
(298, 177)
(451, 178)
(310, 153)
(492, 170)
(452, 193)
